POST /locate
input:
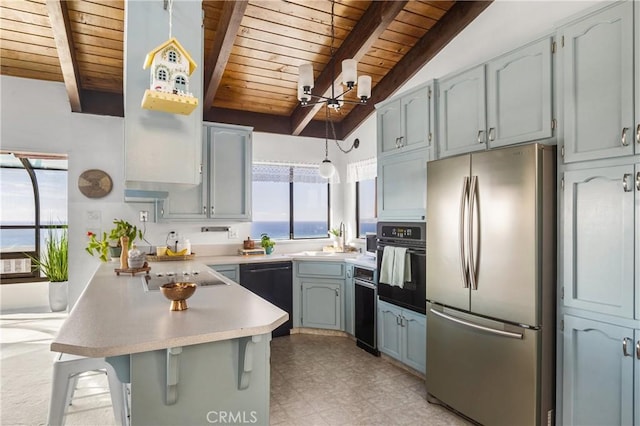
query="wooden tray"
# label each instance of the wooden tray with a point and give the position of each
(152, 258)
(133, 271)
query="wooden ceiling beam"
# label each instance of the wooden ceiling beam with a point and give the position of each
(218, 56)
(461, 14)
(61, 26)
(365, 33)
(267, 123)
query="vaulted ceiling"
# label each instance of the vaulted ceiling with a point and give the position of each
(252, 50)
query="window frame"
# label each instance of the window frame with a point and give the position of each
(291, 205)
(37, 227)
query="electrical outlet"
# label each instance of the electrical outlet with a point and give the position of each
(233, 233)
(144, 216)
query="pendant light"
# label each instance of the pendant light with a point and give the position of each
(349, 78)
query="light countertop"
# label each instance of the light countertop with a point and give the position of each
(116, 316)
(305, 255)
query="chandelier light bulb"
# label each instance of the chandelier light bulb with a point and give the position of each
(364, 87)
(302, 97)
(349, 72)
(326, 169)
(305, 77)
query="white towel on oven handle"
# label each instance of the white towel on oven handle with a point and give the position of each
(386, 265)
(401, 267)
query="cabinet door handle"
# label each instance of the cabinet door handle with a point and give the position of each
(480, 136)
(397, 142)
(211, 210)
(623, 138)
(638, 349)
(492, 133)
(625, 344)
(398, 320)
(204, 209)
(400, 144)
(638, 133)
(337, 293)
(625, 182)
(638, 181)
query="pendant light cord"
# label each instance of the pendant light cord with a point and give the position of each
(333, 84)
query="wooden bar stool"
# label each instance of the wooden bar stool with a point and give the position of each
(66, 369)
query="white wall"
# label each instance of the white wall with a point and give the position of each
(35, 116)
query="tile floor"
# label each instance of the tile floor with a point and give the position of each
(326, 380)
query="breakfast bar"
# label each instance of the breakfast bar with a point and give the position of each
(196, 366)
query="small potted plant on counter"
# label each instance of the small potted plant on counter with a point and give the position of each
(109, 245)
(267, 243)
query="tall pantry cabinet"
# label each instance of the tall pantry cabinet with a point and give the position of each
(599, 277)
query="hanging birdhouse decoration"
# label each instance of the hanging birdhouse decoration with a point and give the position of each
(170, 67)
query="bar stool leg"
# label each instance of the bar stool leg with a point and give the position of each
(59, 393)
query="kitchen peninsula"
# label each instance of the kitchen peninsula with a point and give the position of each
(184, 367)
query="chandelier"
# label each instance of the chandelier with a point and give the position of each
(334, 102)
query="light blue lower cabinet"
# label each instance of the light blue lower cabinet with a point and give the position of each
(389, 330)
(402, 335)
(598, 373)
(415, 341)
(230, 271)
(322, 304)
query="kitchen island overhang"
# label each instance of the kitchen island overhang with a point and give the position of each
(199, 366)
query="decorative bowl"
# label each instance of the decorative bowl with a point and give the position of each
(178, 293)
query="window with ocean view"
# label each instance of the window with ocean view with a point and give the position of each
(366, 206)
(33, 195)
(289, 202)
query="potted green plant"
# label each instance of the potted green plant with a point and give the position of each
(267, 243)
(53, 263)
(110, 244)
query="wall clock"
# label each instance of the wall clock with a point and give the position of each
(95, 183)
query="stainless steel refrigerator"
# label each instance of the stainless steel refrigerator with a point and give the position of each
(491, 268)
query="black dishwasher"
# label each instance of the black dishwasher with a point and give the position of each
(273, 282)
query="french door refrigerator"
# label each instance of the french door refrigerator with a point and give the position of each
(491, 260)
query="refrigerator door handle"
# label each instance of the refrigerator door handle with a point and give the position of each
(473, 278)
(478, 326)
(463, 257)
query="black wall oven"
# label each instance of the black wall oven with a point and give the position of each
(411, 235)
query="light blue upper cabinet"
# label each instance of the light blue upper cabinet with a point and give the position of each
(637, 82)
(597, 73)
(402, 180)
(229, 173)
(519, 95)
(389, 128)
(462, 113)
(406, 122)
(225, 191)
(598, 373)
(598, 237)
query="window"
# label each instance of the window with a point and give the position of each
(162, 74)
(181, 83)
(363, 173)
(289, 202)
(33, 193)
(173, 56)
(366, 206)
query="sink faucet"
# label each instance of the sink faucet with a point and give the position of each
(343, 232)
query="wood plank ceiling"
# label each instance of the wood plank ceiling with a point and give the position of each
(252, 51)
